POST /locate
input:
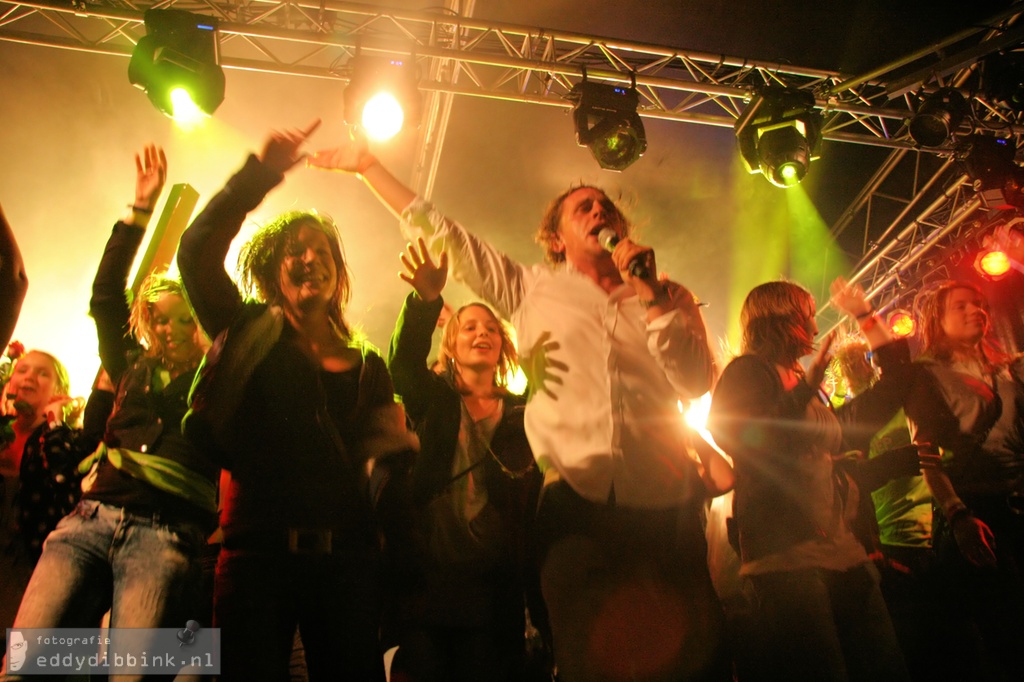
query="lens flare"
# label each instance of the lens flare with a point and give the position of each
(185, 110)
(382, 116)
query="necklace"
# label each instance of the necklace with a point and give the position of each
(474, 434)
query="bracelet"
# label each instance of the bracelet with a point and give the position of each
(139, 209)
(863, 315)
(867, 324)
(365, 163)
(929, 456)
(958, 511)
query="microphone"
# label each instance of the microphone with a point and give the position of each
(608, 239)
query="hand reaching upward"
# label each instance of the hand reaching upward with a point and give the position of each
(351, 156)
(281, 151)
(150, 176)
(426, 278)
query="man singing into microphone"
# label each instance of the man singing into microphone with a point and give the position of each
(609, 349)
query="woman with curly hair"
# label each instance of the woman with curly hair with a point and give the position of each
(299, 410)
(132, 545)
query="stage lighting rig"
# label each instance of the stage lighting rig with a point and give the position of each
(779, 133)
(938, 117)
(606, 121)
(1003, 79)
(989, 163)
(901, 323)
(177, 63)
(383, 95)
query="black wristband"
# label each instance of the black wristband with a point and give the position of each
(866, 314)
(139, 209)
(961, 512)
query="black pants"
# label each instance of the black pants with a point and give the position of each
(628, 591)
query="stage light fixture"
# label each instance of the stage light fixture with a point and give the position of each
(992, 264)
(778, 134)
(606, 121)
(177, 63)
(901, 323)
(989, 163)
(383, 95)
(1003, 79)
(938, 117)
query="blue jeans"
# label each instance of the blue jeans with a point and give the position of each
(100, 557)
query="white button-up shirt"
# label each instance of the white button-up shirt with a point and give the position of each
(604, 383)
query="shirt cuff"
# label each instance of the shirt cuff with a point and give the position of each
(666, 320)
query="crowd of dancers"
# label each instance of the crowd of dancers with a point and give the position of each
(877, 533)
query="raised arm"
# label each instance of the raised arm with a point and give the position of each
(204, 245)
(410, 342)
(353, 156)
(109, 304)
(488, 272)
(13, 281)
(851, 299)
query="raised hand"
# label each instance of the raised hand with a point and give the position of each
(281, 150)
(543, 372)
(54, 410)
(626, 251)
(352, 156)
(816, 371)
(426, 278)
(850, 298)
(150, 176)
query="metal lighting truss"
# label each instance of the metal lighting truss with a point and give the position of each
(461, 55)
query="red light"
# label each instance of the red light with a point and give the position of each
(902, 323)
(993, 264)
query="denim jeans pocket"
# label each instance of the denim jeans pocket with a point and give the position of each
(187, 538)
(87, 509)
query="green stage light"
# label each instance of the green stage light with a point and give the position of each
(178, 53)
(606, 121)
(778, 134)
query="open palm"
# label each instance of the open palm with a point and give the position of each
(426, 278)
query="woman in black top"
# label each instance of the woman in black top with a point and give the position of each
(298, 410)
(474, 490)
(819, 607)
